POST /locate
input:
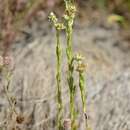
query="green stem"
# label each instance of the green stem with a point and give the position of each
(83, 95)
(58, 78)
(72, 111)
(82, 90)
(69, 53)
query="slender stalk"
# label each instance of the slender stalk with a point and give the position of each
(9, 98)
(82, 90)
(11, 103)
(58, 79)
(69, 17)
(81, 68)
(72, 111)
(70, 74)
(83, 97)
(58, 26)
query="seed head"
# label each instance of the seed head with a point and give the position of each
(81, 67)
(70, 12)
(79, 57)
(52, 17)
(59, 26)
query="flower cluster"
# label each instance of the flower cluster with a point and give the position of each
(54, 20)
(81, 67)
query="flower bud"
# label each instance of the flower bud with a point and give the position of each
(81, 67)
(53, 18)
(79, 57)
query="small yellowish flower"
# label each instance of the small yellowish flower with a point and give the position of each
(53, 18)
(81, 67)
(79, 57)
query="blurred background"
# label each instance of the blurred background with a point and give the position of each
(101, 34)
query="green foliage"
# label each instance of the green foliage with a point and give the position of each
(67, 24)
(58, 27)
(69, 19)
(80, 69)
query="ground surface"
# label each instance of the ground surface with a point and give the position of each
(108, 78)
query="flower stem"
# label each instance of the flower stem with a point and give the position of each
(58, 79)
(82, 90)
(69, 52)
